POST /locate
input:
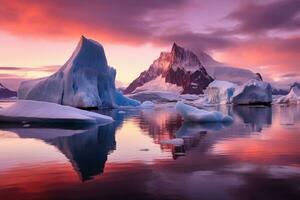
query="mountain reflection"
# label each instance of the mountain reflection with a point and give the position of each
(159, 124)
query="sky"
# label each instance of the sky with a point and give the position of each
(36, 37)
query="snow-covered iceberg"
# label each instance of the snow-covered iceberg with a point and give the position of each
(220, 92)
(38, 111)
(193, 114)
(84, 81)
(293, 97)
(253, 92)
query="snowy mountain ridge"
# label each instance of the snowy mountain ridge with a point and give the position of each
(182, 68)
(179, 67)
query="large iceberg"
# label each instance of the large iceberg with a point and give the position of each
(193, 114)
(293, 97)
(253, 92)
(41, 112)
(84, 81)
(220, 92)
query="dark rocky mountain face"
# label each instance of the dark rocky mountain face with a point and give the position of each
(180, 67)
(158, 67)
(6, 93)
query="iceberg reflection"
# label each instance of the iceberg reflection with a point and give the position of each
(256, 116)
(87, 151)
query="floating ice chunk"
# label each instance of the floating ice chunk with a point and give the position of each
(193, 114)
(38, 111)
(253, 92)
(175, 142)
(147, 104)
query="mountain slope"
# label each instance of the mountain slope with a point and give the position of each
(179, 67)
(223, 72)
(6, 93)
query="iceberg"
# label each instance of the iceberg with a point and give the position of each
(41, 112)
(293, 97)
(147, 104)
(220, 92)
(193, 114)
(85, 81)
(253, 92)
(122, 100)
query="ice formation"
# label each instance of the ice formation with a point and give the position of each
(220, 92)
(253, 92)
(84, 81)
(38, 111)
(193, 114)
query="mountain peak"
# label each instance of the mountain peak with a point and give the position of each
(175, 45)
(180, 67)
(176, 49)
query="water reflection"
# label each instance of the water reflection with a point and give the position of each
(87, 151)
(189, 129)
(256, 117)
(159, 124)
(289, 115)
(234, 158)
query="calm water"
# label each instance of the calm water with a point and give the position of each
(256, 157)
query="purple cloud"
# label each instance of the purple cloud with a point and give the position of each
(253, 18)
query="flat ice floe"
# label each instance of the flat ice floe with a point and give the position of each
(38, 111)
(147, 104)
(193, 114)
(155, 96)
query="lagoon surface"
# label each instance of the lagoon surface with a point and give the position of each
(255, 157)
